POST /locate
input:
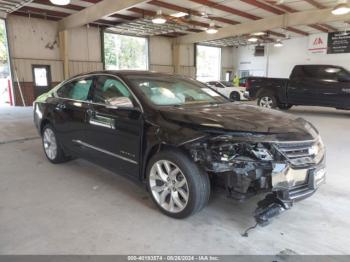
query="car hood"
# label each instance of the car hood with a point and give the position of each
(235, 117)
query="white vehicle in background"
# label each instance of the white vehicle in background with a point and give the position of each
(235, 93)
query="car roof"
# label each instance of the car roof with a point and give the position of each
(129, 73)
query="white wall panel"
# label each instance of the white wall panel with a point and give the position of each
(84, 44)
(23, 68)
(162, 68)
(279, 62)
(79, 67)
(33, 38)
(160, 51)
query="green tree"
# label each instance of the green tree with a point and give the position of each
(125, 52)
(110, 50)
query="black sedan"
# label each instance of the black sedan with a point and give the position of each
(180, 137)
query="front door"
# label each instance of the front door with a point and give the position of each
(70, 109)
(114, 133)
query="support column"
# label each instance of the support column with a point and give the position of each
(176, 58)
(63, 38)
(183, 59)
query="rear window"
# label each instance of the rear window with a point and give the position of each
(321, 72)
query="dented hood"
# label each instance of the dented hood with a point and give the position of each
(233, 117)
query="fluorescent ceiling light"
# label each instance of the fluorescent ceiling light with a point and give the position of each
(159, 18)
(259, 33)
(278, 44)
(253, 39)
(342, 8)
(212, 29)
(179, 14)
(60, 2)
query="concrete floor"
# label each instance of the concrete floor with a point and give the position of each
(79, 208)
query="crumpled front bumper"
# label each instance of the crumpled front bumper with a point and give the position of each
(296, 184)
(289, 185)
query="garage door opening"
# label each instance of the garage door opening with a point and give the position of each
(208, 61)
(125, 52)
(5, 74)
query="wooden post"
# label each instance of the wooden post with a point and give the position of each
(63, 38)
(176, 58)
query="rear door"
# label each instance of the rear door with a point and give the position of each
(304, 86)
(319, 85)
(113, 135)
(70, 111)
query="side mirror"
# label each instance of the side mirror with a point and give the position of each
(117, 102)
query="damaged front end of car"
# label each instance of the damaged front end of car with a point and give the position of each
(246, 165)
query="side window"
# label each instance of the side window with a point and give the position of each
(108, 88)
(77, 90)
(217, 84)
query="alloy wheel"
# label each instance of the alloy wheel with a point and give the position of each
(50, 144)
(169, 186)
(266, 101)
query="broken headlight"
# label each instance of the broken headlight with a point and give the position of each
(230, 151)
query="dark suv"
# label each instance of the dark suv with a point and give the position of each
(180, 138)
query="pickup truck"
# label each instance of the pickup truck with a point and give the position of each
(310, 85)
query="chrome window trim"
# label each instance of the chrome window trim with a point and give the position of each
(93, 103)
(105, 151)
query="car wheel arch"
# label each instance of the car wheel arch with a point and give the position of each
(44, 123)
(156, 149)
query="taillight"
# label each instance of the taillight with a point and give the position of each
(247, 84)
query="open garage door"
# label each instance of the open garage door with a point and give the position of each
(5, 74)
(208, 61)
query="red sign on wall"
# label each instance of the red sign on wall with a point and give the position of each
(318, 43)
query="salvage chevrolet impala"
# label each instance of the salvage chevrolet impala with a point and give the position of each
(181, 138)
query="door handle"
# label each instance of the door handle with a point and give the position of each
(346, 90)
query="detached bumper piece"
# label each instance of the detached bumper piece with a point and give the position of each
(288, 185)
(268, 208)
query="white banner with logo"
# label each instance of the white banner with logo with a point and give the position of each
(318, 43)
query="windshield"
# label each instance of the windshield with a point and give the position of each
(163, 91)
(227, 83)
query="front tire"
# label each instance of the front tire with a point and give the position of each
(176, 184)
(234, 96)
(52, 147)
(267, 100)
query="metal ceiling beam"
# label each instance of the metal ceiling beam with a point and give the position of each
(54, 15)
(277, 21)
(264, 6)
(96, 12)
(145, 12)
(48, 3)
(124, 17)
(243, 14)
(190, 11)
(276, 11)
(289, 9)
(321, 6)
(226, 9)
(199, 14)
(315, 4)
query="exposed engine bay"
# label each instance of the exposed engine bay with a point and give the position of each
(246, 167)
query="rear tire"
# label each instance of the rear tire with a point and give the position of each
(267, 100)
(176, 184)
(52, 147)
(234, 96)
